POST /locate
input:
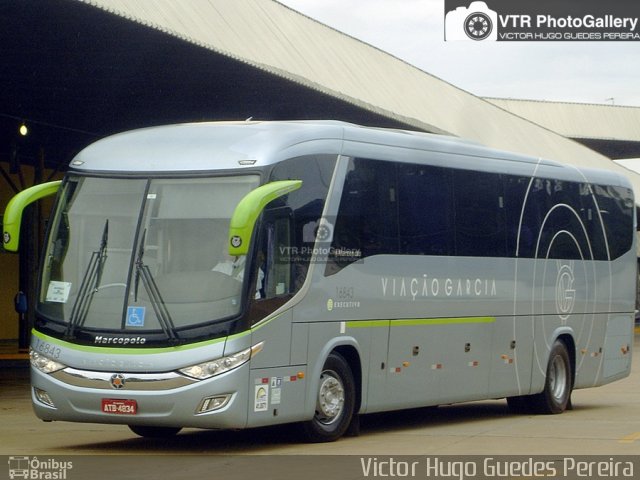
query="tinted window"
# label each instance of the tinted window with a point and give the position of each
(592, 223)
(397, 208)
(290, 223)
(368, 216)
(616, 208)
(563, 234)
(425, 196)
(515, 189)
(561, 220)
(480, 229)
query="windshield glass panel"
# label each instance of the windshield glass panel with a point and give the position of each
(143, 255)
(91, 211)
(183, 274)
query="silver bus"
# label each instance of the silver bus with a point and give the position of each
(236, 275)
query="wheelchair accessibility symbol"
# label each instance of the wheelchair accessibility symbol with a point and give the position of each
(135, 316)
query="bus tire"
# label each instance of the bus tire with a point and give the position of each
(558, 384)
(335, 402)
(154, 432)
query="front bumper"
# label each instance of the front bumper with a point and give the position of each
(163, 399)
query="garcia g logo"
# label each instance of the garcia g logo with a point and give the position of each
(565, 291)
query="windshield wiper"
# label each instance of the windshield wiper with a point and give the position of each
(90, 283)
(155, 297)
(102, 255)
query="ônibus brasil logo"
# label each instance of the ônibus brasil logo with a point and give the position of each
(35, 468)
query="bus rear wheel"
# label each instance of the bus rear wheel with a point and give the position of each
(335, 402)
(558, 384)
(154, 432)
(556, 395)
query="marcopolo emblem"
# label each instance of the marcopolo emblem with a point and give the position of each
(117, 381)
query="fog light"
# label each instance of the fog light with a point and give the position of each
(210, 404)
(43, 397)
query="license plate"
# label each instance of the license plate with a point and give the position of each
(119, 407)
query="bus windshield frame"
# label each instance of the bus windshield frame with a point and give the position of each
(143, 258)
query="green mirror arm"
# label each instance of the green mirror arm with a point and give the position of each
(246, 213)
(13, 213)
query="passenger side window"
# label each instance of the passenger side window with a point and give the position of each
(480, 218)
(617, 210)
(287, 230)
(426, 210)
(563, 215)
(412, 209)
(367, 220)
(272, 269)
(515, 189)
(290, 222)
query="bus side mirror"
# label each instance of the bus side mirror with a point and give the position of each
(13, 212)
(249, 208)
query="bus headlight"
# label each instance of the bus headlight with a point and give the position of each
(44, 364)
(205, 370)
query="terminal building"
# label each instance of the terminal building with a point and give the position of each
(74, 71)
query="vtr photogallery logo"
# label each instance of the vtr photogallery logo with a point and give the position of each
(541, 20)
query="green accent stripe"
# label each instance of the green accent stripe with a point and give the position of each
(128, 350)
(412, 322)
(142, 350)
(418, 322)
(368, 324)
(405, 322)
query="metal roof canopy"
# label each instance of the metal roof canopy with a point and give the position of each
(74, 73)
(128, 64)
(612, 130)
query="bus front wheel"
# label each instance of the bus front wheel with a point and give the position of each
(335, 402)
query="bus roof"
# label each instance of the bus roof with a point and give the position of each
(211, 146)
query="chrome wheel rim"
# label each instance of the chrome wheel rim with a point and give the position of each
(558, 379)
(331, 396)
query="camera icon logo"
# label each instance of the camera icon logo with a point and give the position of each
(321, 230)
(478, 26)
(475, 22)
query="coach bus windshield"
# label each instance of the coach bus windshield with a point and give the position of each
(140, 255)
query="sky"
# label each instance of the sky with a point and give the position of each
(413, 30)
